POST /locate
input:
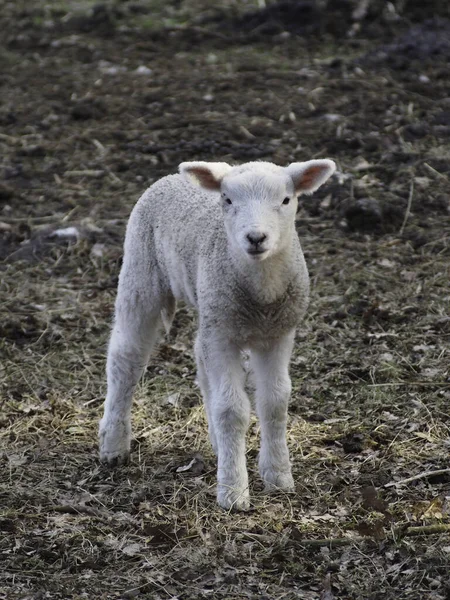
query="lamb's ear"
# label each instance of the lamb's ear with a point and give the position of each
(308, 176)
(207, 175)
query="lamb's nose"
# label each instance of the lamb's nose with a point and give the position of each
(256, 238)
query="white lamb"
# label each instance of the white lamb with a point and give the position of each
(223, 239)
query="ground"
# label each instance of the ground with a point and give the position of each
(97, 102)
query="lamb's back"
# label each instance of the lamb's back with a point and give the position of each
(176, 224)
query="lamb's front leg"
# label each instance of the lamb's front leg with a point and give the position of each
(230, 413)
(273, 388)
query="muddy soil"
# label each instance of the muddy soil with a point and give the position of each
(97, 101)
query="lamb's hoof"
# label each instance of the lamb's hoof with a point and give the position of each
(114, 445)
(112, 459)
(276, 481)
(232, 499)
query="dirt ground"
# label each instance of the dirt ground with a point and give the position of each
(96, 103)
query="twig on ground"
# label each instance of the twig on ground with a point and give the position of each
(347, 541)
(422, 475)
(78, 509)
(435, 172)
(328, 542)
(411, 383)
(427, 529)
(198, 29)
(408, 207)
(85, 173)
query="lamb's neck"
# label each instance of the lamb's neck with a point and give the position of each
(268, 280)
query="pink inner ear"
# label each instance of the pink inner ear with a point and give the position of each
(309, 178)
(205, 178)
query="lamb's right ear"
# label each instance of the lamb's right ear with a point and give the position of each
(207, 175)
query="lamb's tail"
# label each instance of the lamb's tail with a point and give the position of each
(168, 313)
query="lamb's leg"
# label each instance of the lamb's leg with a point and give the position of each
(205, 388)
(230, 415)
(273, 388)
(135, 331)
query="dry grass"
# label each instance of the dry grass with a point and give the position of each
(370, 406)
(371, 387)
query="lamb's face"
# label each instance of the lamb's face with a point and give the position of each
(259, 200)
(259, 212)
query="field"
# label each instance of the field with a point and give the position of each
(96, 103)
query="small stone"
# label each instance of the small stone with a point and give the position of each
(98, 250)
(66, 233)
(143, 70)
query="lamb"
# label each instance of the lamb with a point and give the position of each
(221, 238)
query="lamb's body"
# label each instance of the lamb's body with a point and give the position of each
(178, 235)
(177, 248)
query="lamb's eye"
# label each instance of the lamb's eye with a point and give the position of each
(228, 201)
(286, 201)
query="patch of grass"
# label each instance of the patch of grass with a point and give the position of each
(371, 394)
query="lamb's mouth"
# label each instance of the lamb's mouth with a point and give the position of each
(257, 253)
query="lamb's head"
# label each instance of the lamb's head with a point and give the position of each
(259, 200)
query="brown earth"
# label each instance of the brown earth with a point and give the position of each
(97, 102)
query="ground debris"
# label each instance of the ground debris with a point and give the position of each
(84, 130)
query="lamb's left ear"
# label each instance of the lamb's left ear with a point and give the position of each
(206, 175)
(308, 176)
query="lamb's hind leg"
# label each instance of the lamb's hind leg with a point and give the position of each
(273, 388)
(135, 331)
